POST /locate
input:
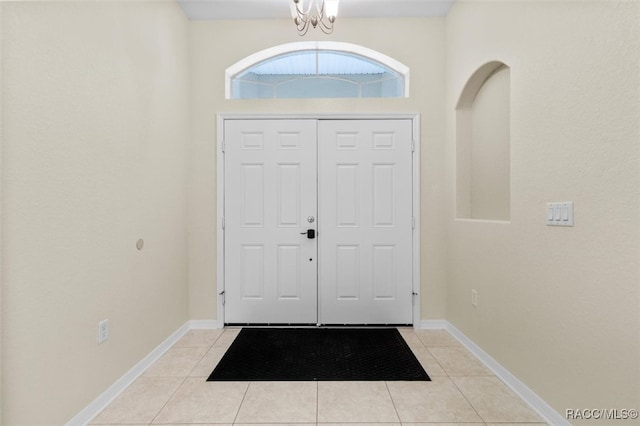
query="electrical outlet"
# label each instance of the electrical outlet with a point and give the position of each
(103, 330)
(474, 298)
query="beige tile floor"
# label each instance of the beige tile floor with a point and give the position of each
(174, 391)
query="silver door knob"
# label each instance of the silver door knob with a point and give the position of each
(311, 219)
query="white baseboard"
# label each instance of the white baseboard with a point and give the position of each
(536, 403)
(106, 397)
(543, 409)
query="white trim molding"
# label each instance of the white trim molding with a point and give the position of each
(543, 409)
(106, 397)
(221, 184)
(536, 403)
(112, 392)
(416, 209)
(272, 52)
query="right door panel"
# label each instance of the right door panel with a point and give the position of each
(365, 229)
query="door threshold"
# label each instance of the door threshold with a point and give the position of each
(309, 325)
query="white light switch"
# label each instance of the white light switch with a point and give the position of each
(560, 213)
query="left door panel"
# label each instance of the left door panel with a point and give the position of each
(270, 263)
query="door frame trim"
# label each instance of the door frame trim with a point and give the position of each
(220, 188)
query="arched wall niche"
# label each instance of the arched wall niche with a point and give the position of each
(483, 188)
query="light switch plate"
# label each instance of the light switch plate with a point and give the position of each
(560, 213)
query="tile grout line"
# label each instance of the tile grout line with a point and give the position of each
(248, 386)
(202, 357)
(386, 385)
(424, 345)
(467, 399)
(181, 383)
(317, 402)
(450, 378)
(436, 360)
(453, 381)
(167, 401)
(235, 419)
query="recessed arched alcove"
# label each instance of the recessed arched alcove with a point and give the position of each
(483, 162)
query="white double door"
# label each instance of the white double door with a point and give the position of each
(348, 181)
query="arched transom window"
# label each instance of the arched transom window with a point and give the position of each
(317, 70)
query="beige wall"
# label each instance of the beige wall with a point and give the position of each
(95, 136)
(559, 307)
(215, 45)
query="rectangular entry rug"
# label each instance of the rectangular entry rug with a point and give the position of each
(307, 354)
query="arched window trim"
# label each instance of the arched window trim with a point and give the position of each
(282, 49)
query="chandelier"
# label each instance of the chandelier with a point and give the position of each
(315, 13)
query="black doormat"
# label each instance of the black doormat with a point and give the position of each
(295, 354)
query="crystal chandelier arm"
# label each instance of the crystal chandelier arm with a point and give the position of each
(319, 9)
(314, 15)
(298, 10)
(326, 28)
(303, 28)
(300, 17)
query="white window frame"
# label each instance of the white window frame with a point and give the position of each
(254, 59)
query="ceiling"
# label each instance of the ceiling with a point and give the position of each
(273, 9)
